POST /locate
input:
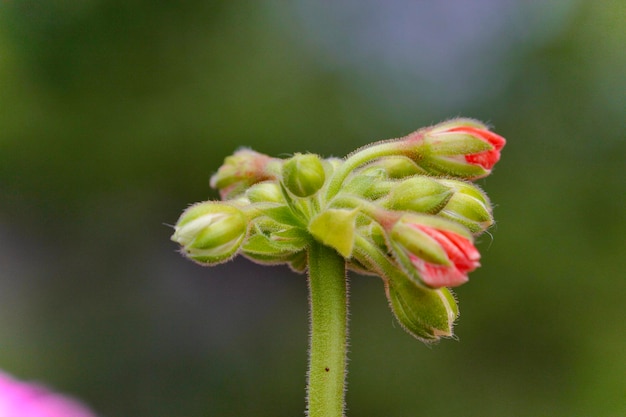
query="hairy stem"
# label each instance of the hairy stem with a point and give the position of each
(329, 331)
(360, 157)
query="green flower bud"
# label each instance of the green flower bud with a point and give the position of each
(419, 194)
(265, 192)
(210, 232)
(425, 314)
(303, 175)
(468, 206)
(371, 183)
(376, 179)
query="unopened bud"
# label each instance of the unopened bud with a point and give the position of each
(303, 174)
(265, 192)
(370, 183)
(419, 194)
(468, 206)
(242, 169)
(424, 313)
(462, 148)
(210, 232)
(435, 251)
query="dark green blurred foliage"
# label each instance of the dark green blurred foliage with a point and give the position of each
(114, 114)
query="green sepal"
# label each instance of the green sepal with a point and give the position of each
(356, 266)
(298, 262)
(454, 166)
(271, 237)
(269, 247)
(375, 233)
(261, 244)
(398, 167)
(458, 122)
(294, 205)
(407, 239)
(267, 259)
(455, 143)
(468, 211)
(371, 185)
(283, 214)
(335, 228)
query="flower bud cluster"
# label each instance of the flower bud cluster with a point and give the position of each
(403, 209)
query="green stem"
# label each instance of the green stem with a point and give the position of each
(329, 332)
(360, 157)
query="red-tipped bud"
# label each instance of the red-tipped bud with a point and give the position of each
(462, 255)
(439, 253)
(243, 169)
(462, 148)
(485, 159)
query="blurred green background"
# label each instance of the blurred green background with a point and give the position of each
(114, 114)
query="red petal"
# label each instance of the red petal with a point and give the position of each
(437, 276)
(461, 252)
(494, 139)
(485, 159)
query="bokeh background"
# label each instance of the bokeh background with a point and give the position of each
(114, 114)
